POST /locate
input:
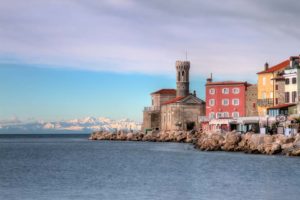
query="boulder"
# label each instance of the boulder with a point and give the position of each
(180, 136)
(211, 142)
(231, 141)
(272, 148)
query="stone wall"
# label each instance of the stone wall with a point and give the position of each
(279, 94)
(251, 101)
(159, 99)
(183, 114)
(210, 141)
(151, 120)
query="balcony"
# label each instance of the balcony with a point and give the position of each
(152, 108)
(265, 102)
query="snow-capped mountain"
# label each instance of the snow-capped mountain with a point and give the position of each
(86, 125)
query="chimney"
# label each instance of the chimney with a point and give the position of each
(194, 94)
(210, 79)
(266, 66)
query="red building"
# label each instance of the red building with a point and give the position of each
(225, 99)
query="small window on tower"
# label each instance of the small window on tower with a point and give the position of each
(178, 76)
(182, 73)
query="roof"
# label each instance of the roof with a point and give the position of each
(165, 91)
(185, 99)
(282, 106)
(277, 67)
(173, 100)
(228, 83)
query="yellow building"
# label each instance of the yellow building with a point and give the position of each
(266, 86)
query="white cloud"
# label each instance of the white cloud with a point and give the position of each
(231, 38)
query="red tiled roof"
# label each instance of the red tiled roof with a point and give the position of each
(227, 83)
(282, 106)
(173, 100)
(277, 67)
(165, 91)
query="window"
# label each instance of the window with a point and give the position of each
(264, 80)
(235, 114)
(212, 91)
(236, 90)
(225, 102)
(271, 95)
(212, 102)
(287, 97)
(276, 101)
(287, 81)
(225, 91)
(276, 87)
(254, 105)
(294, 80)
(178, 77)
(235, 102)
(226, 114)
(219, 115)
(212, 115)
(264, 95)
(294, 96)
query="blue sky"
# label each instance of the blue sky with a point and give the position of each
(44, 93)
(58, 58)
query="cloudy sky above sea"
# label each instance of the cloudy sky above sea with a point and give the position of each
(64, 59)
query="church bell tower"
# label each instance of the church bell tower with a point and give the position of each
(182, 81)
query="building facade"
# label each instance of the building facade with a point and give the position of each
(228, 99)
(288, 90)
(174, 109)
(151, 115)
(266, 86)
(251, 100)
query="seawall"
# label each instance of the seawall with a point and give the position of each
(210, 141)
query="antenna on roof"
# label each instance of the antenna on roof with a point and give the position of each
(186, 55)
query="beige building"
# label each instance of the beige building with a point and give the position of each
(174, 109)
(266, 86)
(151, 115)
(287, 88)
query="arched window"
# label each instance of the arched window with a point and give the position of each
(182, 73)
(178, 77)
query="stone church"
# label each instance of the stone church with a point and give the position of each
(174, 109)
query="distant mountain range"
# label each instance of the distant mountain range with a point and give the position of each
(83, 125)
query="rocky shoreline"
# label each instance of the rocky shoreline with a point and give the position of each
(209, 141)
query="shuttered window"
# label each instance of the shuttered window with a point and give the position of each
(287, 97)
(294, 96)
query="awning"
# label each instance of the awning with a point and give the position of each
(282, 106)
(220, 121)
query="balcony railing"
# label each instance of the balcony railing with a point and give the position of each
(152, 108)
(265, 102)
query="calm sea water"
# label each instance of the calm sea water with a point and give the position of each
(71, 167)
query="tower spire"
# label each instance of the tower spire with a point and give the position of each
(182, 69)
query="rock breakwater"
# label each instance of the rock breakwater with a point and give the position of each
(210, 141)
